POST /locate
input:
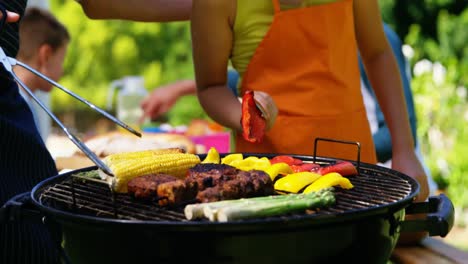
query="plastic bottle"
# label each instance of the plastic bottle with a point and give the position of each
(130, 93)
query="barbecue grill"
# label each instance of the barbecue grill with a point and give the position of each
(102, 227)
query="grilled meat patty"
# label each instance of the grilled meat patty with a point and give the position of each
(222, 182)
(176, 192)
(209, 175)
(205, 182)
(146, 186)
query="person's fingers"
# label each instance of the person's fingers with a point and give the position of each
(142, 118)
(410, 165)
(144, 103)
(261, 100)
(267, 106)
(424, 189)
(148, 112)
(147, 105)
(11, 17)
(420, 176)
(143, 106)
(154, 109)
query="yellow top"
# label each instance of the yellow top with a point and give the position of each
(253, 19)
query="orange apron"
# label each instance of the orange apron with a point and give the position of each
(308, 63)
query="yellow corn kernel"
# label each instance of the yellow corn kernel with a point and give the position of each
(142, 154)
(175, 164)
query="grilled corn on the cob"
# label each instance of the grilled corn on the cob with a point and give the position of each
(142, 154)
(125, 169)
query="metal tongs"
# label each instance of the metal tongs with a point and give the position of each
(8, 62)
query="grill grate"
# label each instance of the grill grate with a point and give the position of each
(372, 188)
(96, 199)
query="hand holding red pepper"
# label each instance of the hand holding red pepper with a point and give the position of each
(258, 115)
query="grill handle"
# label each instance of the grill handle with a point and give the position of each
(439, 220)
(20, 208)
(358, 146)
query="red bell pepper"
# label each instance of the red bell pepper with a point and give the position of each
(253, 124)
(345, 168)
(312, 167)
(286, 159)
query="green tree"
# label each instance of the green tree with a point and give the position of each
(401, 14)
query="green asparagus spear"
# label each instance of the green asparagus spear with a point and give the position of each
(273, 208)
(194, 211)
(210, 210)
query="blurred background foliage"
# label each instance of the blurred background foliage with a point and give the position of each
(436, 38)
(434, 32)
(105, 50)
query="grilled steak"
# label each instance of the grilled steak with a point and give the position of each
(146, 186)
(221, 182)
(209, 175)
(176, 192)
(206, 182)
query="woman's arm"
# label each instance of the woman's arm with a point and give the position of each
(212, 22)
(383, 73)
(382, 139)
(138, 10)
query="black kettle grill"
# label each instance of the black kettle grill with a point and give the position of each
(363, 226)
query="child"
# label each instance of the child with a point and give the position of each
(43, 45)
(304, 57)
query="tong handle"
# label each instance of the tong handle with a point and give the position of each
(72, 137)
(79, 98)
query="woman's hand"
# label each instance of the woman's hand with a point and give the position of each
(267, 106)
(410, 165)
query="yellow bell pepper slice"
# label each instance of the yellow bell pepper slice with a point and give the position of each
(212, 156)
(244, 165)
(277, 169)
(252, 158)
(248, 163)
(251, 163)
(260, 163)
(231, 158)
(329, 180)
(294, 182)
